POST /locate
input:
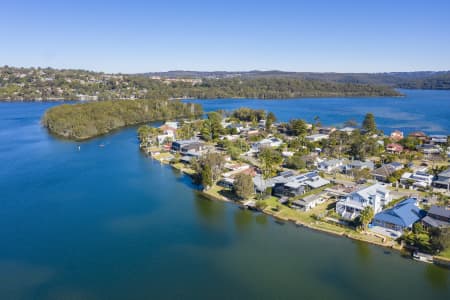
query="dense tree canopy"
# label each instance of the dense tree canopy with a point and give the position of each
(86, 120)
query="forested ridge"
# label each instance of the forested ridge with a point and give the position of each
(29, 84)
(86, 120)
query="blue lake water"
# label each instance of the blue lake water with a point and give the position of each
(109, 223)
(423, 110)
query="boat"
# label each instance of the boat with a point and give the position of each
(419, 256)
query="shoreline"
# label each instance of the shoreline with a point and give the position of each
(388, 244)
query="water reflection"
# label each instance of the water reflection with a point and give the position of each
(261, 219)
(438, 277)
(211, 212)
(363, 251)
(243, 219)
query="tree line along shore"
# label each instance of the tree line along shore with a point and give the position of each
(86, 120)
(29, 84)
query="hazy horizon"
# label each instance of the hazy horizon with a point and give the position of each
(302, 36)
(225, 71)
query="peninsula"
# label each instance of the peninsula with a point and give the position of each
(86, 120)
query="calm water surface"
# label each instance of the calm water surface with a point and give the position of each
(108, 223)
(423, 110)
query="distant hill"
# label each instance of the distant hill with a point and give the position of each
(37, 84)
(407, 80)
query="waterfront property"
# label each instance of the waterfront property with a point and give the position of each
(296, 185)
(186, 146)
(437, 217)
(375, 196)
(308, 202)
(400, 217)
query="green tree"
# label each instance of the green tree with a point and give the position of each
(243, 186)
(295, 162)
(369, 124)
(297, 127)
(212, 127)
(270, 119)
(270, 161)
(206, 177)
(366, 216)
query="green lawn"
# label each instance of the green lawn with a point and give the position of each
(307, 218)
(445, 253)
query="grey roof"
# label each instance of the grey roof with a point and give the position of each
(359, 164)
(434, 222)
(439, 211)
(311, 198)
(445, 173)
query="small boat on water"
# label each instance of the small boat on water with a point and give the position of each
(419, 256)
(101, 145)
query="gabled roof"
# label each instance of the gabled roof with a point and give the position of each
(403, 214)
(372, 190)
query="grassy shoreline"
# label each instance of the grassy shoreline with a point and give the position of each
(306, 219)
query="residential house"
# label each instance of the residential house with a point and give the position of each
(429, 149)
(317, 137)
(386, 170)
(308, 202)
(298, 184)
(437, 217)
(418, 179)
(234, 168)
(400, 217)
(168, 134)
(357, 165)
(185, 146)
(396, 135)
(238, 127)
(171, 124)
(330, 165)
(326, 130)
(375, 196)
(438, 139)
(347, 130)
(261, 184)
(272, 142)
(443, 180)
(419, 135)
(394, 148)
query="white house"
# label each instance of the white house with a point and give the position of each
(317, 137)
(308, 202)
(417, 179)
(330, 165)
(375, 196)
(272, 142)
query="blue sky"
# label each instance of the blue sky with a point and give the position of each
(140, 36)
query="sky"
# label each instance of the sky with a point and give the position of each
(231, 35)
